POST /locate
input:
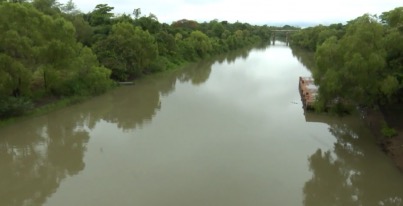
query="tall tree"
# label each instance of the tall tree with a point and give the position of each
(352, 68)
(70, 7)
(39, 49)
(128, 51)
(393, 85)
(50, 7)
(200, 42)
(101, 21)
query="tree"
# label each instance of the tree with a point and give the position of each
(38, 53)
(128, 51)
(84, 32)
(166, 44)
(311, 37)
(200, 42)
(90, 77)
(329, 60)
(101, 15)
(49, 7)
(352, 68)
(393, 85)
(393, 18)
(149, 24)
(101, 21)
(15, 77)
(70, 8)
(137, 13)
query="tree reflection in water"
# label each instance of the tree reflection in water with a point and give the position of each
(305, 57)
(197, 73)
(37, 154)
(352, 174)
(35, 159)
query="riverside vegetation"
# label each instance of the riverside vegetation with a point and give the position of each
(51, 51)
(360, 65)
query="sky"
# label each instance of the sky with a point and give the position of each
(259, 12)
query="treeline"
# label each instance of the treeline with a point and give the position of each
(360, 63)
(52, 50)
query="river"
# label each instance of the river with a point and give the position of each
(229, 131)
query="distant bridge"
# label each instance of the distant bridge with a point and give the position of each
(286, 31)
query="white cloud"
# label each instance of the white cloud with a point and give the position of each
(251, 11)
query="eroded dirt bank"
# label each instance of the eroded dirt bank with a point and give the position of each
(393, 116)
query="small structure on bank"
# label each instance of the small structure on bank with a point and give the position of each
(308, 91)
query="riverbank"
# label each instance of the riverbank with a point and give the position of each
(393, 116)
(45, 106)
(49, 104)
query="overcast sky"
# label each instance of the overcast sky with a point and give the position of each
(250, 11)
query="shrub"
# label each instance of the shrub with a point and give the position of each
(14, 106)
(388, 131)
(159, 65)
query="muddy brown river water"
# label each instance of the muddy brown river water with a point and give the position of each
(229, 131)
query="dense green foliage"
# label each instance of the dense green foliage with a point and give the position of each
(49, 50)
(39, 56)
(309, 38)
(360, 63)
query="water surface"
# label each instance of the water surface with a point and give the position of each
(226, 131)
